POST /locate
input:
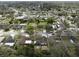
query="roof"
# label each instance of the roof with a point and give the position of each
(25, 34)
(1, 32)
(1, 38)
(28, 41)
(72, 38)
(44, 34)
(66, 33)
(9, 44)
(21, 17)
(17, 26)
(9, 39)
(41, 41)
(4, 26)
(25, 40)
(13, 26)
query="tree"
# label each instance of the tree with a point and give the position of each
(7, 52)
(25, 50)
(51, 20)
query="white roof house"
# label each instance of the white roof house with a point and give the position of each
(1, 32)
(23, 16)
(44, 31)
(74, 11)
(22, 31)
(20, 17)
(71, 41)
(25, 34)
(1, 38)
(0, 15)
(70, 17)
(62, 17)
(9, 44)
(54, 26)
(12, 33)
(46, 34)
(28, 42)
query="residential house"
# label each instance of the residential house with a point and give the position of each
(17, 26)
(1, 39)
(41, 43)
(8, 41)
(1, 32)
(4, 26)
(24, 41)
(68, 36)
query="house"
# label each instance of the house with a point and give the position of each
(22, 31)
(73, 29)
(0, 16)
(17, 26)
(20, 16)
(41, 43)
(24, 40)
(70, 17)
(1, 39)
(8, 41)
(25, 34)
(62, 18)
(43, 48)
(44, 33)
(4, 26)
(69, 36)
(12, 33)
(66, 33)
(54, 26)
(73, 39)
(1, 32)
